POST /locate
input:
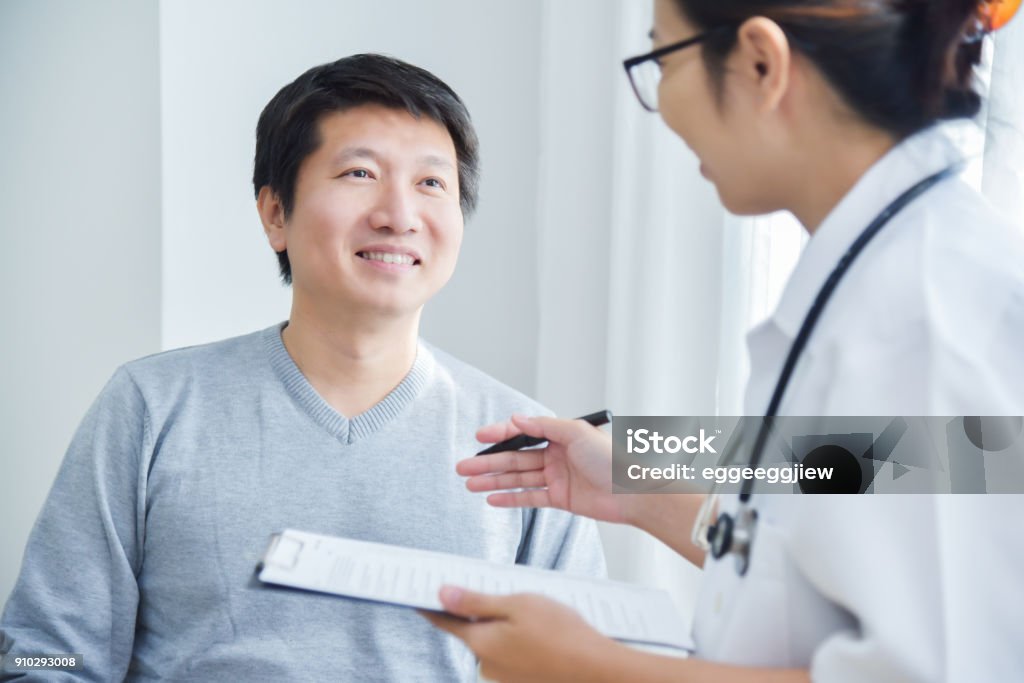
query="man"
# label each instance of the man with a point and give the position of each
(339, 421)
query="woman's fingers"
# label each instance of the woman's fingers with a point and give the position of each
(457, 626)
(509, 480)
(531, 498)
(554, 429)
(472, 605)
(476, 614)
(499, 431)
(508, 461)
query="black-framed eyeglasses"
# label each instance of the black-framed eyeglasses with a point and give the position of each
(644, 71)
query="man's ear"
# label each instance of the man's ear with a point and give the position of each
(272, 215)
(762, 61)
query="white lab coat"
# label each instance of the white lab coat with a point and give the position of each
(928, 321)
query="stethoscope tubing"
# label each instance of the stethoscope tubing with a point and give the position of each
(821, 300)
(735, 534)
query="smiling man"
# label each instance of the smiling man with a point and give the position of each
(339, 421)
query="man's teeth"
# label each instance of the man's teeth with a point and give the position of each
(386, 257)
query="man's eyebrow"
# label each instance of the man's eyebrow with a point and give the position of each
(349, 153)
(437, 161)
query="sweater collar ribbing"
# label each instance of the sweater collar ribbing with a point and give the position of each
(346, 430)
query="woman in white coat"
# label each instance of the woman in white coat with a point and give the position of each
(828, 110)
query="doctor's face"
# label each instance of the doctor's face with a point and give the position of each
(376, 224)
(714, 120)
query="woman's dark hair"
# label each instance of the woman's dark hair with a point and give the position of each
(288, 129)
(902, 65)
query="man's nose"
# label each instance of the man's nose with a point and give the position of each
(395, 210)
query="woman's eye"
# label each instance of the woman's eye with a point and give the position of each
(357, 173)
(434, 182)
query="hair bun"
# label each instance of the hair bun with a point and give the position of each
(995, 14)
(951, 38)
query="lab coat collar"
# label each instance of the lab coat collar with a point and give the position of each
(910, 161)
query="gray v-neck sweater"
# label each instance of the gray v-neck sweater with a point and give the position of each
(142, 558)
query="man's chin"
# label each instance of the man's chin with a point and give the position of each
(388, 310)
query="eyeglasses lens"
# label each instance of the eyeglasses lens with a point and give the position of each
(646, 77)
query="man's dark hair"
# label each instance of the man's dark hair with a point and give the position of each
(288, 130)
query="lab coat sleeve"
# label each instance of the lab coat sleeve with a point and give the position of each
(982, 556)
(77, 590)
(929, 597)
(878, 557)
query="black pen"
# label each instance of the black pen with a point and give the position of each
(521, 441)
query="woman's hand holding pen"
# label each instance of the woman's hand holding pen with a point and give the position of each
(572, 472)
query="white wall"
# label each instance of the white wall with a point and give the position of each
(80, 198)
(220, 64)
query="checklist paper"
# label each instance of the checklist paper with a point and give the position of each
(409, 577)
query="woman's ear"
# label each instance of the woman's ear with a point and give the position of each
(762, 60)
(272, 215)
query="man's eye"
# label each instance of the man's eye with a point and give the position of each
(357, 173)
(434, 182)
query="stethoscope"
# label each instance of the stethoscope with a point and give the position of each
(734, 534)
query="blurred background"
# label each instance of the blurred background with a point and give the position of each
(599, 271)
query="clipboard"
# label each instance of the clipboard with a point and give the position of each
(412, 578)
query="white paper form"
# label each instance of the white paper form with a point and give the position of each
(410, 577)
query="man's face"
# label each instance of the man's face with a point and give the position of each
(376, 224)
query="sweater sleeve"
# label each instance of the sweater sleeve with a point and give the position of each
(554, 539)
(77, 590)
